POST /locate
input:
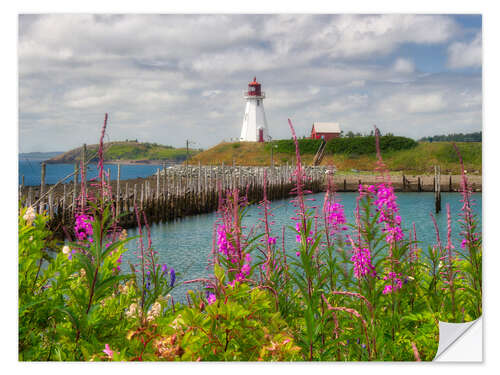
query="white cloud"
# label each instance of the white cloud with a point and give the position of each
(346, 103)
(404, 66)
(173, 77)
(413, 103)
(464, 55)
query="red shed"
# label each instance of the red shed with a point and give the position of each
(325, 130)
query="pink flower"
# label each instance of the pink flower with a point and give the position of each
(335, 217)
(83, 227)
(387, 289)
(271, 240)
(385, 202)
(108, 351)
(362, 262)
(396, 282)
(211, 298)
(246, 269)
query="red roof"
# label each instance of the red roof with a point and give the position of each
(254, 83)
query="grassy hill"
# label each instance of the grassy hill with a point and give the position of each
(418, 159)
(127, 151)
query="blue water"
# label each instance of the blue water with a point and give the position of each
(31, 169)
(186, 244)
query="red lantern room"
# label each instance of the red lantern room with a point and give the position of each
(254, 88)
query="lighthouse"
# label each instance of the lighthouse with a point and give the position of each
(254, 127)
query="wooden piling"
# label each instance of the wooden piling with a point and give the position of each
(30, 197)
(437, 187)
(118, 190)
(75, 187)
(51, 204)
(42, 187)
(157, 185)
(63, 203)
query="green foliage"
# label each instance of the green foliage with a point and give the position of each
(130, 150)
(455, 137)
(350, 146)
(241, 325)
(287, 146)
(366, 145)
(68, 307)
(471, 152)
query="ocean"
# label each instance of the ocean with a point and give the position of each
(31, 170)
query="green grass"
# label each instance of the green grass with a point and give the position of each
(419, 159)
(115, 151)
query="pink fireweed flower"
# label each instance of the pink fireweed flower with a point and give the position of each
(362, 261)
(385, 203)
(335, 216)
(271, 240)
(83, 227)
(396, 282)
(298, 237)
(108, 351)
(211, 298)
(245, 269)
(118, 263)
(225, 245)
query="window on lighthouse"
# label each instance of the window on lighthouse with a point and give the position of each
(258, 102)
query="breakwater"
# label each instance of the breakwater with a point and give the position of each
(178, 191)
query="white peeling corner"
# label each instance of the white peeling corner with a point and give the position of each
(460, 342)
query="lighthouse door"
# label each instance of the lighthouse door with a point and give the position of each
(261, 135)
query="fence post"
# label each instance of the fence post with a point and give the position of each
(437, 187)
(42, 187)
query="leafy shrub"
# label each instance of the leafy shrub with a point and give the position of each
(356, 145)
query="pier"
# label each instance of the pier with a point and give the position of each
(178, 191)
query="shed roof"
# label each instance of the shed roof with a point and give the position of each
(326, 127)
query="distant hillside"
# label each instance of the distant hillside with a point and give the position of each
(128, 151)
(420, 158)
(39, 155)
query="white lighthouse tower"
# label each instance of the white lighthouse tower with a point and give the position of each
(254, 127)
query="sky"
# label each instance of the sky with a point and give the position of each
(172, 78)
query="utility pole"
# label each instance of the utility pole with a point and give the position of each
(187, 149)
